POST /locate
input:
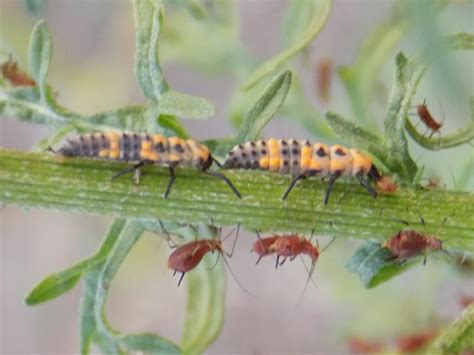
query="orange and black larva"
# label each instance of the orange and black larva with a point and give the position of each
(303, 159)
(144, 149)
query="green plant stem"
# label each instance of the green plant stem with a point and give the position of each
(84, 185)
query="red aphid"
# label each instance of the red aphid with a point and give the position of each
(427, 118)
(410, 243)
(189, 255)
(465, 301)
(15, 75)
(386, 185)
(290, 246)
(362, 346)
(262, 246)
(323, 77)
(415, 342)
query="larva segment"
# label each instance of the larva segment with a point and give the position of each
(274, 155)
(340, 161)
(306, 150)
(361, 164)
(320, 162)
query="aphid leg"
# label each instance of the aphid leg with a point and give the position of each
(293, 257)
(217, 163)
(277, 261)
(327, 245)
(168, 238)
(366, 184)
(181, 278)
(282, 262)
(292, 184)
(332, 178)
(49, 149)
(171, 180)
(260, 258)
(129, 170)
(227, 181)
(424, 260)
(235, 241)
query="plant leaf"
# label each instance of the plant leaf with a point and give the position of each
(149, 343)
(360, 80)
(40, 54)
(205, 305)
(34, 7)
(462, 41)
(372, 263)
(261, 113)
(320, 14)
(408, 76)
(177, 104)
(296, 19)
(94, 327)
(458, 338)
(148, 18)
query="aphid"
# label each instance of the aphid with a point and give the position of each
(187, 256)
(262, 246)
(425, 116)
(386, 185)
(144, 149)
(415, 342)
(15, 75)
(363, 346)
(409, 243)
(465, 301)
(303, 159)
(323, 78)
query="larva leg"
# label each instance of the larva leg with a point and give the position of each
(333, 177)
(131, 169)
(366, 184)
(170, 183)
(227, 181)
(292, 184)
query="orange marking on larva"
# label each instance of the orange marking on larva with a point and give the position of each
(425, 116)
(158, 139)
(360, 162)
(114, 150)
(15, 75)
(410, 243)
(104, 153)
(305, 157)
(146, 150)
(315, 164)
(274, 154)
(264, 163)
(415, 342)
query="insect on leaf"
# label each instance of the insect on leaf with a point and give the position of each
(319, 16)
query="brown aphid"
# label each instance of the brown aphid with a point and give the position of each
(465, 301)
(415, 342)
(323, 78)
(363, 346)
(425, 116)
(262, 246)
(14, 75)
(409, 243)
(290, 246)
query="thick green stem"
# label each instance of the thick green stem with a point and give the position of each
(83, 185)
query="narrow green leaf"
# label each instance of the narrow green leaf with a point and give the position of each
(368, 260)
(34, 7)
(206, 287)
(407, 77)
(261, 113)
(320, 14)
(458, 338)
(389, 271)
(177, 104)
(149, 343)
(296, 19)
(360, 80)
(172, 126)
(195, 7)
(40, 54)
(471, 106)
(462, 40)
(148, 18)
(265, 108)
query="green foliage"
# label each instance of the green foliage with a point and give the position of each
(319, 13)
(34, 7)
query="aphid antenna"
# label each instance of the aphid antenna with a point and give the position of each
(235, 240)
(327, 245)
(310, 278)
(168, 238)
(227, 181)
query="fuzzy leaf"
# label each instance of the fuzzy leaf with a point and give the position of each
(462, 40)
(320, 14)
(296, 19)
(368, 260)
(172, 126)
(34, 7)
(149, 344)
(148, 18)
(206, 287)
(177, 104)
(40, 54)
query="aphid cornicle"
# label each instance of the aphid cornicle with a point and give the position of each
(303, 159)
(144, 149)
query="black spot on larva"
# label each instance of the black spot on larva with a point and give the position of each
(264, 144)
(313, 172)
(307, 143)
(247, 165)
(285, 162)
(147, 137)
(231, 153)
(255, 165)
(241, 146)
(252, 144)
(295, 162)
(244, 155)
(294, 151)
(253, 153)
(125, 155)
(263, 152)
(178, 148)
(320, 152)
(235, 159)
(159, 147)
(81, 138)
(284, 152)
(284, 143)
(295, 143)
(340, 152)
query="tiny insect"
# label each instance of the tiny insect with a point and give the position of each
(145, 150)
(303, 159)
(409, 243)
(15, 75)
(323, 78)
(262, 246)
(187, 256)
(386, 185)
(362, 346)
(425, 116)
(415, 342)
